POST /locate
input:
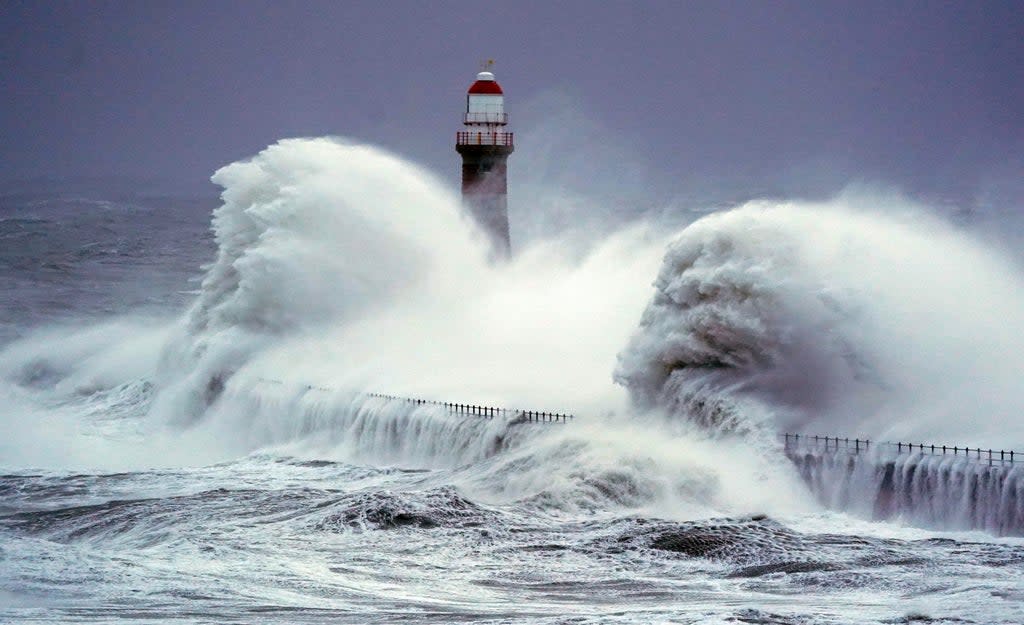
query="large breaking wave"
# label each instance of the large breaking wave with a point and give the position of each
(860, 317)
(343, 269)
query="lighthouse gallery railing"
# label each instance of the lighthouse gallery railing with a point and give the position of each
(484, 138)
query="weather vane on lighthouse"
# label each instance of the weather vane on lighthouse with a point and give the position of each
(485, 145)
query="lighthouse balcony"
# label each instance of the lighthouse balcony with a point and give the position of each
(484, 138)
(477, 117)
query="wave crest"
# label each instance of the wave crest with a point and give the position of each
(837, 318)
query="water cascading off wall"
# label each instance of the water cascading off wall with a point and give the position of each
(940, 491)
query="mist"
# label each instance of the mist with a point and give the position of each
(866, 315)
(343, 269)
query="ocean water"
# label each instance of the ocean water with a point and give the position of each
(188, 435)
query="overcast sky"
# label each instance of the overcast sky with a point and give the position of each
(925, 96)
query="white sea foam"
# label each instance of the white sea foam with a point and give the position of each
(345, 268)
(861, 316)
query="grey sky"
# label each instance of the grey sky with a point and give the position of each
(926, 96)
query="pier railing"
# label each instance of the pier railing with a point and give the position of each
(486, 412)
(470, 410)
(858, 445)
(792, 442)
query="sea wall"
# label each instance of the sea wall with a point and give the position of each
(942, 491)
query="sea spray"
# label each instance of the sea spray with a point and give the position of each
(344, 268)
(325, 505)
(312, 233)
(861, 316)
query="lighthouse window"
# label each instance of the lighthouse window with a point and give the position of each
(486, 167)
(485, 104)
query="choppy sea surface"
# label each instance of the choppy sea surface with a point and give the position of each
(261, 501)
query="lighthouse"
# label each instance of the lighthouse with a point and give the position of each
(485, 145)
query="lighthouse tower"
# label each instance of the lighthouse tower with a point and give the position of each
(485, 145)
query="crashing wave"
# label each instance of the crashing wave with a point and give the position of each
(785, 317)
